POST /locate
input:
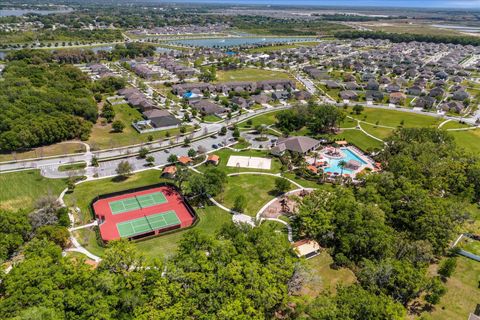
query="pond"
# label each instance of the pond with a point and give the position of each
(237, 42)
(457, 28)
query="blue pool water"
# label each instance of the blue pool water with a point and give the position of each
(349, 155)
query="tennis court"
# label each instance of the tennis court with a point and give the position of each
(137, 202)
(147, 224)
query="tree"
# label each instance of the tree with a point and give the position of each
(142, 153)
(240, 203)
(150, 160)
(358, 109)
(124, 169)
(118, 126)
(182, 175)
(172, 158)
(94, 162)
(447, 267)
(281, 185)
(354, 303)
(186, 141)
(342, 164)
(56, 234)
(192, 153)
(14, 231)
(236, 133)
(121, 257)
(436, 290)
(324, 118)
(223, 131)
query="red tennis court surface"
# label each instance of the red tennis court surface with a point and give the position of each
(115, 225)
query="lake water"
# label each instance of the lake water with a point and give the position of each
(21, 12)
(237, 42)
(458, 28)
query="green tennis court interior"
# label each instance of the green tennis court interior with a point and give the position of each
(147, 224)
(137, 202)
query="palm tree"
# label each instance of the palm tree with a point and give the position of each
(342, 164)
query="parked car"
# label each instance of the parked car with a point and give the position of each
(214, 146)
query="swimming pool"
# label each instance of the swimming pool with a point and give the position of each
(333, 166)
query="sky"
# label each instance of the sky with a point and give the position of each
(454, 4)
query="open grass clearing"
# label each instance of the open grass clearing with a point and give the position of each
(251, 74)
(102, 136)
(468, 139)
(267, 119)
(462, 294)
(72, 166)
(321, 277)
(378, 132)
(359, 139)
(20, 190)
(56, 149)
(470, 245)
(211, 118)
(282, 47)
(454, 125)
(394, 118)
(257, 189)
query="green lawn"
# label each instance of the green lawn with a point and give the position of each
(469, 140)
(470, 245)
(211, 220)
(45, 151)
(225, 154)
(321, 277)
(250, 74)
(462, 294)
(73, 166)
(393, 118)
(258, 189)
(102, 136)
(211, 118)
(454, 125)
(85, 192)
(267, 119)
(378, 132)
(359, 139)
(20, 190)
(282, 47)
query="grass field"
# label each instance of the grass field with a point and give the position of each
(46, 151)
(102, 136)
(73, 166)
(225, 154)
(378, 132)
(393, 118)
(404, 27)
(462, 294)
(20, 190)
(267, 119)
(470, 245)
(250, 74)
(454, 125)
(282, 47)
(469, 140)
(321, 277)
(211, 118)
(359, 139)
(258, 189)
